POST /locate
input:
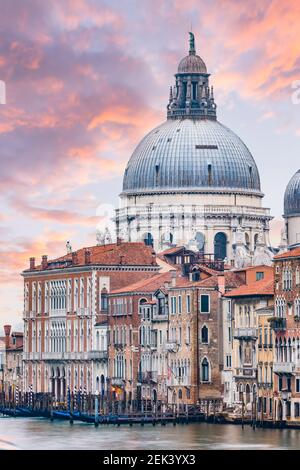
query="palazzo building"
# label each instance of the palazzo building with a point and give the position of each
(65, 314)
(192, 181)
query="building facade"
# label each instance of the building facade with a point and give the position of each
(11, 363)
(246, 301)
(285, 324)
(65, 315)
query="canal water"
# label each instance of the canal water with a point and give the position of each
(38, 433)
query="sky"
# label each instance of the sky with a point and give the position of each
(86, 79)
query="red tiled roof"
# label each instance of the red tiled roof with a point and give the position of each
(257, 288)
(295, 253)
(232, 280)
(151, 284)
(130, 254)
(170, 251)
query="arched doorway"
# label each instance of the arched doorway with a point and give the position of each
(248, 397)
(220, 246)
(58, 389)
(102, 385)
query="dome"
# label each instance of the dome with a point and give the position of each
(191, 155)
(292, 196)
(192, 64)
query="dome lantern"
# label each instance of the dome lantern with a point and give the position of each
(191, 98)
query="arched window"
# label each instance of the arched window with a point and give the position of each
(104, 300)
(205, 370)
(148, 239)
(204, 334)
(220, 246)
(180, 394)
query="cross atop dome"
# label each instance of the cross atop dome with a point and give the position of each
(191, 97)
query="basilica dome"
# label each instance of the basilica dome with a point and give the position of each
(191, 151)
(292, 196)
(197, 155)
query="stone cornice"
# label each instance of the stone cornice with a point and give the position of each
(84, 269)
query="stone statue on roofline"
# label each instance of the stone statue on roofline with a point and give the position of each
(283, 246)
(242, 258)
(262, 254)
(69, 247)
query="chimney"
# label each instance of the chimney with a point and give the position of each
(121, 259)
(32, 263)
(119, 241)
(87, 256)
(173, 278)
(153, 260)
(7, 330)
(221, 284)
(44, 262)
(74, 257)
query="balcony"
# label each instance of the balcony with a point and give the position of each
(97, 355)
(157, 317)
(119, 345)
(117, 381)
(83, 311)
(247, 372)
(171, 346)
(284, 368)
(277, 323)
(147, 377)
(245, 333)
(179, 381)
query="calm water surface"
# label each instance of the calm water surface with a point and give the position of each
(38, 433)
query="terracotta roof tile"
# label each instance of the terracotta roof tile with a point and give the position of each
(295, 253)
(130, 254)
(257, 288)
(151, 284)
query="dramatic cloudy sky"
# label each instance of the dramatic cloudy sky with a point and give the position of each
(87, 78)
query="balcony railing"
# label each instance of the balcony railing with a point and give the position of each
(147, 377)
(171, 346)
(282, 368)
(97, 355)
(160, 317)
(175, 381)
(249, 372)
(277, 323)
(245, 333)
(118, 381)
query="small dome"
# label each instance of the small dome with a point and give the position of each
(292, 196)
(192, 63)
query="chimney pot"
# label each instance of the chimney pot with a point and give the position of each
(87, 256)
(32, 263)
(74, 257)
(7, 330)
(44, 262)
(173, 278)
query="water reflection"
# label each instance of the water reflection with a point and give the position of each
(42, 434)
